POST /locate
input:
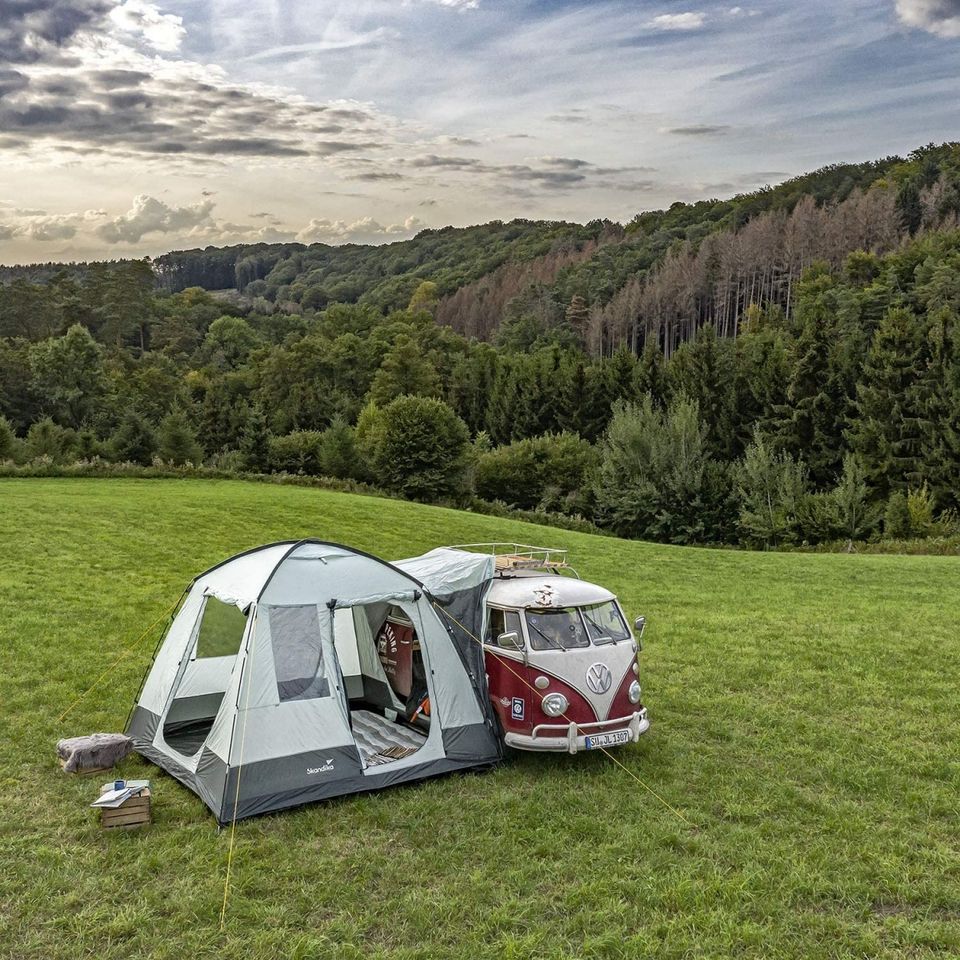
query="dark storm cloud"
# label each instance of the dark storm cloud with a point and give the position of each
(112, 79)
(35, 30)
(699, 130)
(11, 81)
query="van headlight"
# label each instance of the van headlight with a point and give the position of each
(634, 692)
(554, 704)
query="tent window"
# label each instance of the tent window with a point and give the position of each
(297, 653)
(221, 629)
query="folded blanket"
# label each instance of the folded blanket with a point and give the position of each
(98, 751)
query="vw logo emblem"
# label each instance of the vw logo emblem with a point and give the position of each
(599, 678)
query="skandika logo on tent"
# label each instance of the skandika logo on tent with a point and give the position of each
(327, 766)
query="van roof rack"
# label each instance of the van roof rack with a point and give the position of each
(519, 556)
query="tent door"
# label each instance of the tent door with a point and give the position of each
(203, 677)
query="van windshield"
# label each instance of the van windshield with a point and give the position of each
(568, 628)
(559, 628)
(605, 622)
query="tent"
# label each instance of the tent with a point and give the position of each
(282, 677)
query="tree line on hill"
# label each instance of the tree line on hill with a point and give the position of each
(785, 370)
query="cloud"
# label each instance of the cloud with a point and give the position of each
(88, 76)
(678, 21)
(364, 230)
(162, 31)
(698, 130)
(940, 17)
(150, 215)
(43, 227)
(453, 4)
(34, 30)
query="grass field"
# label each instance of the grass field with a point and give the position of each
(805, 723)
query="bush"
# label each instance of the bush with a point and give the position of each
(920, 509)
(772, 487)
(653, 480)
(416, 447)
(297, 452)
(549, 471)
(45, 439)
(896, 518)
(8, 440)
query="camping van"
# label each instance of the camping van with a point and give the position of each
(560, 661)
(304, 670)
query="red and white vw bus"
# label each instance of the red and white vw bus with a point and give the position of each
(561, 661)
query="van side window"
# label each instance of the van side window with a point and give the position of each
(503, 621)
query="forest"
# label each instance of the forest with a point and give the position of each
(777, 369)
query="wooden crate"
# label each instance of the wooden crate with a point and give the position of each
(134, 813)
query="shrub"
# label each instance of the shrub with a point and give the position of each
(45, 439)
(896, 518)
(415, 446)
(653, 479)
(8, 440)
(297, 452)
(920, 509)
(548, 471)
(770, 487)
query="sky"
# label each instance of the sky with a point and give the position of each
(133, 127)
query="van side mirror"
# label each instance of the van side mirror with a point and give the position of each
(638, 626)
(510, 641)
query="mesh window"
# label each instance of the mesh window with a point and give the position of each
(221, 629)
(297, 654)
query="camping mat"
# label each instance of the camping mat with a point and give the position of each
(380, 740)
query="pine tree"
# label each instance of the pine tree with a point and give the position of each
(177, 441)
(133, 441)
(812, 419)
(702, 369)
(887, 431)
(255, 442)
(650, 375)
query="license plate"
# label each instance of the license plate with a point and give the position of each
(607, 739)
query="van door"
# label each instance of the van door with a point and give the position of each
(509, 684)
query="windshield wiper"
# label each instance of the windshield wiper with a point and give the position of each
(551, 640)
(601, 636)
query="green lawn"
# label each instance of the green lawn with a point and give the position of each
(805, 721)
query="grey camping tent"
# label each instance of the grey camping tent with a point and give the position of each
(270, 688)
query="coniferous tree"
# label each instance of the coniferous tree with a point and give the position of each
(812, 419)
(133, 441)
(887, 433)
(177, 441)
(255, 442)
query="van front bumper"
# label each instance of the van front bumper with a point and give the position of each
(572, 737)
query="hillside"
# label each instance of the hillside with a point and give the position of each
(802, 714)
(782, 368)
